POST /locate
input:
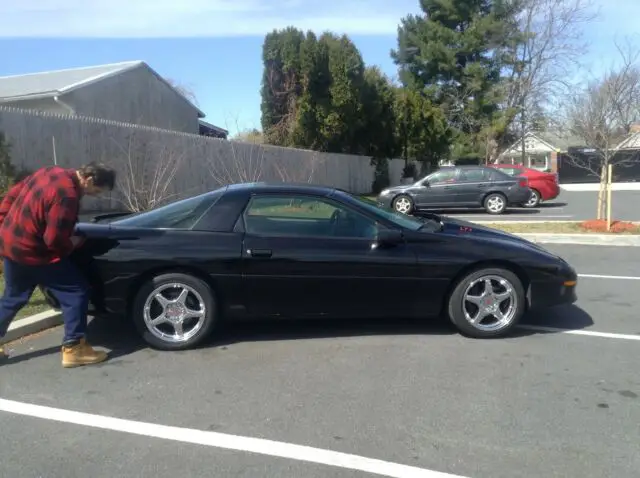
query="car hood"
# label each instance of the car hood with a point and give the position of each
(458, 227)
(397, 189)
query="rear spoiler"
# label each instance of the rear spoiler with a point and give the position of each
(102, 217)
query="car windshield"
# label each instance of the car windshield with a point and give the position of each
(402, 220)
(182, 214)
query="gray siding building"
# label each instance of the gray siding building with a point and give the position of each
(130, 92)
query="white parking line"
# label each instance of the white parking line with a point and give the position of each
(222, 440)
(598, 276)
(510, 216)
(607, 335)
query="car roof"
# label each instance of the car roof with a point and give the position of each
(463, 166)
(283, 187)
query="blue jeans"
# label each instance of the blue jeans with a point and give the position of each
(62, 279)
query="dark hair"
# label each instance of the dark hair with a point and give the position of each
(102, 175)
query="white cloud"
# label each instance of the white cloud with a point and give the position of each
(186, 18)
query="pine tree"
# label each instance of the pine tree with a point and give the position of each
(454, 54)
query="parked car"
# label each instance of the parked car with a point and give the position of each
(258, 250)
(544, 186)
(459, 187)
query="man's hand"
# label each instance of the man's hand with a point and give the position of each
(77, 241)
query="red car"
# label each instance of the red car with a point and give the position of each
(544, 186)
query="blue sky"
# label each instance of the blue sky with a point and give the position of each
(214, 46)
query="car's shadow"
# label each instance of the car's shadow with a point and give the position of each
(552, 204)
(481, 212)
(119, 335)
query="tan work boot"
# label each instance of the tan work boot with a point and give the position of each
(81, 354)
(3, 353)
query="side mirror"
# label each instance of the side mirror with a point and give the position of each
(388, 238)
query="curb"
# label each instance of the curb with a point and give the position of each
(583, 239)
(32, 324)
(592, 187)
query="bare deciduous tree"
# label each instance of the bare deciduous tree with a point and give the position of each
(249, 136)
(601, 116)
(303, 171)
(547, 57)
(246, 164)
(146, 174)
(249, 163)
(184, 90)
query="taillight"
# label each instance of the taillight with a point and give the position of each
(524, 182)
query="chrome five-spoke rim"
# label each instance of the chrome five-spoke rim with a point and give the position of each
(495, 204)
(403, 205)
(490, 303)
(174, 312)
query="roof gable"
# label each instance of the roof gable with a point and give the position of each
(632, 142)
(57, 82)
(48, 84)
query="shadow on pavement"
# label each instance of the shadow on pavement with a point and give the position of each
(480, 212)
(121, 338)
(570, 317)
(552, 204)
(119, 335)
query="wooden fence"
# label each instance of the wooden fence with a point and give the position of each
(155, 165)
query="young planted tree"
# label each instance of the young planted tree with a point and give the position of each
(601, 115)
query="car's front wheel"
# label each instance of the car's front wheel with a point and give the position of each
(487, 302)
(403, 204)
(175, 311)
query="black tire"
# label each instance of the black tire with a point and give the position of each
(456, 304)
(196, 284)
(491, 199)
(534, 201)
(403, 199)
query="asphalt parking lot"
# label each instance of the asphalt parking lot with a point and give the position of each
(541, 403)
(568, 206)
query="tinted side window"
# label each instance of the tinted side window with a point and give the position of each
(443, 176)
(510, 171)
(499, 175)
(182, 214)
(473, 175)
(301, 216)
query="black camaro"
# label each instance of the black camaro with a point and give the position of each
(280, 250)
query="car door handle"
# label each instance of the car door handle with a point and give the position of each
(260, 252)
(483, 185)
(448, 187)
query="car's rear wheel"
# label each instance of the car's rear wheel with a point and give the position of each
(495, 203)
(534, 200)
(403, 204)
(487, 302)
(175, 311)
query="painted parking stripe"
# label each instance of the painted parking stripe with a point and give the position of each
(222, 440)
(607, 335)
(510, 216)
(599, 276)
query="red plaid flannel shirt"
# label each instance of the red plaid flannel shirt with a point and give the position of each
(38, 216)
